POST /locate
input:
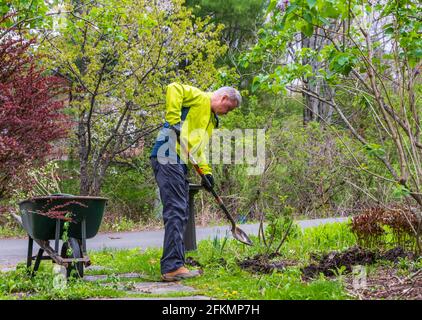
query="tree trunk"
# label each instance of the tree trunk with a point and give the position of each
(315, 110)
(83, 159)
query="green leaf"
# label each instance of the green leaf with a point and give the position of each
(323, 20)
(308, 18)
(256, 83)
(331, 12)
(291, 8)
(389, 28)
(271, 6)
(374, 149)
(308, 29)
(400, 191)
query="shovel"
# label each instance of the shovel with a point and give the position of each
(238, 233)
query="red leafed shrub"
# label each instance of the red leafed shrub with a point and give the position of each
(370, 226)
(31, 115)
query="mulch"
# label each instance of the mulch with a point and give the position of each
(386, 284)
(264, 263)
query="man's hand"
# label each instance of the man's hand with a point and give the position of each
(210, 180)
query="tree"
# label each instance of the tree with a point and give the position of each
(371, 57)
(119, 55)
(20, 15)
(241, 20)
(31, 115)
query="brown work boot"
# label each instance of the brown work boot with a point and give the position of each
(180, 274)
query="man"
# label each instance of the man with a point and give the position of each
(191, 115)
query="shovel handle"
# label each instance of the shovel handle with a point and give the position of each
(216, 196)
(204, 177)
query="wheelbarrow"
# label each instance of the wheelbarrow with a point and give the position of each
(43, 218)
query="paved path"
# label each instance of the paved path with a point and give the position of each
(13, 251)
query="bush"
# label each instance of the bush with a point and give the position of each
(310, 167)
(378, 226)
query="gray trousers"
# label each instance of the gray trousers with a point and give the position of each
(174, 192)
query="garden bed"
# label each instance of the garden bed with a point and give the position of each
(331, 263)
(265, 263)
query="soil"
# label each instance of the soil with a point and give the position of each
(385, 283)
(262, 263)
(330, 263)
(192, 262)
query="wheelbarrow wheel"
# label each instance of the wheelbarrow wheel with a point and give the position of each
(74, 269)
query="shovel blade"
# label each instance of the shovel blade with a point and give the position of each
(241, 236)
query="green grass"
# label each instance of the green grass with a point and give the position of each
(12, 231)
(231, 282)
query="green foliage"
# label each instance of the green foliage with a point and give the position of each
(26, 14)
(374, 149)
(342, 62)
(225, 280)
(128, 188)
(10, 229)
(354, 67)
(240, 20)
(18, 285)
(303, 16)
(280, 226)
(222, 277)
(118, 57)
(307, 167)
(237, 32)
(130, 192)
(400, 191)
(228, 12)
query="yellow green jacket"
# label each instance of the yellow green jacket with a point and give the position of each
(191, 108)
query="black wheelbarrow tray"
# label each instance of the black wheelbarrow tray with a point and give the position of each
(43, 219)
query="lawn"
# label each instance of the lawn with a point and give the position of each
(222, 277)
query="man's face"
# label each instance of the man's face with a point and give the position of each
(224, 105)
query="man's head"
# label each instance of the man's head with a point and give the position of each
(225, 100)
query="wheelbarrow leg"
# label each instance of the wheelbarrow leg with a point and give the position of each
(29, 257)
(37, 262)
(83, 225)
(56, 243)
(83, 242)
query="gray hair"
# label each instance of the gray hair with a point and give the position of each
(231, 92)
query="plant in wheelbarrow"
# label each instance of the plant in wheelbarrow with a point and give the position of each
(71, 246)
(75, 269)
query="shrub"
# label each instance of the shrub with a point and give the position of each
(381, 226)
(31, 115)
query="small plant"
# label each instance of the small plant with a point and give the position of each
(114, 280)
(339, 271)
(280, 227)
(219, 244)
